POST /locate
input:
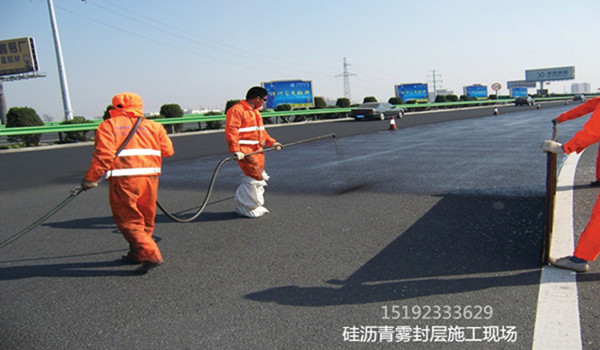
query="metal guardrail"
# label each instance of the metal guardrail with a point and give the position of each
(57, 127)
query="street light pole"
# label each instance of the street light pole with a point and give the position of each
(61, 67)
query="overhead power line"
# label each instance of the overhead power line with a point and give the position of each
(191, 37)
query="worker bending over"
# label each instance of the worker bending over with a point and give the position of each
(588, 246)
(580, 111)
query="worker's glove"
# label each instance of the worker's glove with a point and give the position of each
(238, 155)
(552, 147)
(87, 185)
(278, 146)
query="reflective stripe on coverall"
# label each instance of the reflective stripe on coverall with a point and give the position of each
(133, 175)
(580, 111)
(588, 246)
(245, 132)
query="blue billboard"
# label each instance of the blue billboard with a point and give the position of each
(477, 91)
(297, 93)
(409, 92)
(518, 92)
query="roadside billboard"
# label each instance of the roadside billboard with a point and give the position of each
(17, 56)
(476, 91)
(518, 92)
(297, 93)
(520, 83)
(550, 74)
(416, 91)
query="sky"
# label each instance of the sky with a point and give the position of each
(199, 54)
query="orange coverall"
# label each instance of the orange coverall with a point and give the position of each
(245, 132)
(580, 111)
(588, 246)
(133, 175)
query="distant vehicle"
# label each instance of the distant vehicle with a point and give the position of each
(524, 100)
(579, 98)
(376, 110)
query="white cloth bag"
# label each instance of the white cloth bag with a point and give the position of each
(250, 197)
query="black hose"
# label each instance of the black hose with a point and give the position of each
(208, 193)
(74, 192)
(214, 177)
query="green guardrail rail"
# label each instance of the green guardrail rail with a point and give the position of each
(57, 127)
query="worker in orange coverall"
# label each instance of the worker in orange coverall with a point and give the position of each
(133, 175)
(588, 246)
(245, 133)
(580, 111)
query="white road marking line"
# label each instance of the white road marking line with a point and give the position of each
(557, 321)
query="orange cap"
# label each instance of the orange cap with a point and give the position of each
(127, 104)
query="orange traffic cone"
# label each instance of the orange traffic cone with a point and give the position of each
(392, 123)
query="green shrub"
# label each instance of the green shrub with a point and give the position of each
(77, 136)
(106, 114)
(343, 102)
(283, 107)
(215, 124)
(172, 110)
(395, 100)
(23, 116)
(369, 99)
(230, 103)
(320, 103)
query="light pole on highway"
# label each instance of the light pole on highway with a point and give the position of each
(61, 66)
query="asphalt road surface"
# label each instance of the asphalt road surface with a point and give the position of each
(427, 237)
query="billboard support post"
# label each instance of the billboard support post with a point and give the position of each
(61, 67)
(3, 110)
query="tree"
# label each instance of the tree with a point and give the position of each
(441, 98)
(23, 116)
(172, 110)
(342, 102)
(369, 99)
